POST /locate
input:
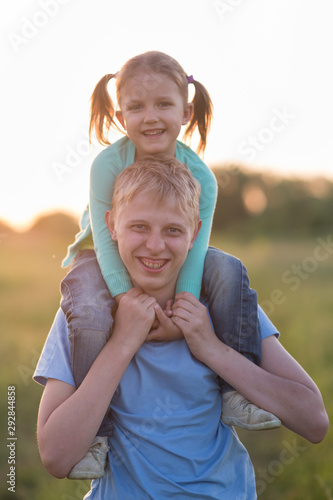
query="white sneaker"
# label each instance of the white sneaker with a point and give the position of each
(92, 465)
(237, 410)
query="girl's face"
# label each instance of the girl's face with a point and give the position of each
(152, 112)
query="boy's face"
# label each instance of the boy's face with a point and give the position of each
(153, 238)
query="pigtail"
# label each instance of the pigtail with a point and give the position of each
(102, 111)
(202, 115)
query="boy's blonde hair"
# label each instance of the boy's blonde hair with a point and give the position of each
(163, 176)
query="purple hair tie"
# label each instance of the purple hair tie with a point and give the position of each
(190, 79)
(115, 74)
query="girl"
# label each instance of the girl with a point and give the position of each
(152, 95)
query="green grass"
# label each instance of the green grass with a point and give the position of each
(304, 316)
(286, 465)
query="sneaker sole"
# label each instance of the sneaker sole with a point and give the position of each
(264, 426)
(85, 476)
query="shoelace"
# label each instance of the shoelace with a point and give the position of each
(243, 403)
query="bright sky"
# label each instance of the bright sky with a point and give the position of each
(267, 65)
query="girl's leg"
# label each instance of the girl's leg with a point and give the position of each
(232, 303)
(234, 312)
(87, 305)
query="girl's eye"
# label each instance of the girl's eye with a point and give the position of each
(135, 107)
(164, 104)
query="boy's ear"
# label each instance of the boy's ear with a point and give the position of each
(120, 119)
(188, 112)
(196, 232)
(109, 219)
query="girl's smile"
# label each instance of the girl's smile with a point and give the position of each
(153, 112)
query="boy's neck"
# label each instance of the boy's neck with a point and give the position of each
(162, 296)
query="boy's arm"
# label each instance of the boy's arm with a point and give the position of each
(69, 418)
(279, 385)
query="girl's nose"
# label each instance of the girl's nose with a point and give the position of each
(150, 116)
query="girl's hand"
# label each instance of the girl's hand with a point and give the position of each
(166, 329)
(134, 318)
(192, 318)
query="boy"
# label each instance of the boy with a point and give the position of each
(165, 398)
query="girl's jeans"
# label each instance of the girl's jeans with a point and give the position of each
(232, 304)
(88, 306)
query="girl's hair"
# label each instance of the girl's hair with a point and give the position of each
(164, 177)
(102, 111)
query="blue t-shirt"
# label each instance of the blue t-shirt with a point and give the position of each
(168, 440)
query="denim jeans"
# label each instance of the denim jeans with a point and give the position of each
(88, 306)
(232, 304)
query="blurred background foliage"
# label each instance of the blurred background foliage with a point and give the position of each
(252, 204)
(272, 224)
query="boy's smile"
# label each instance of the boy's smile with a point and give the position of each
(154, 238)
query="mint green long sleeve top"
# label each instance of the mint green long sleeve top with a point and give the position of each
(105, 168)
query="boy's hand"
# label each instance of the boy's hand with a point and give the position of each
(168, 308)
(166, 330)
(192, 318)
(118, 297)
(134, 318)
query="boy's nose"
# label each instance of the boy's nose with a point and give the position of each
(155, 243)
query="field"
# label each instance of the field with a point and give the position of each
(294, 283)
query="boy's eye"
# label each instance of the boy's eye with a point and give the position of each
(174, 230)
(138, 227)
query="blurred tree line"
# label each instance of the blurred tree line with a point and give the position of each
(248, 204)
(255, 203)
